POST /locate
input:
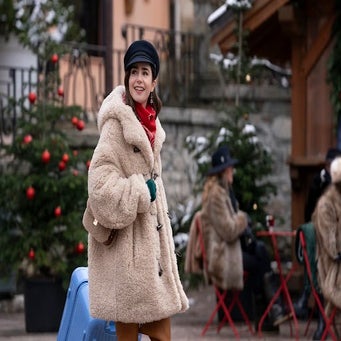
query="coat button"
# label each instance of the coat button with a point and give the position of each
(160, 271)
(136, 149)
(158, 227)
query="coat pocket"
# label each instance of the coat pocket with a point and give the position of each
(96, 230)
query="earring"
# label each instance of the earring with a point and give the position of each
(151, 98)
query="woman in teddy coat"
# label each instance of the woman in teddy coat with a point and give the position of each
(133, 274)
(223, 225)
(327, 222)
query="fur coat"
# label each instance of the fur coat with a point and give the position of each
(194, 257)
(134, 279)
(327, 222)
(222, 228)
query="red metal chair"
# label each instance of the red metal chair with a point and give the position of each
(221, 296)
(318, 303)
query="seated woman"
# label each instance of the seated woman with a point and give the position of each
(223, 224)
(327, 222)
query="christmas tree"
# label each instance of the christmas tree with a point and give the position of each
(252, 182)
(44, 186)
(43, 177)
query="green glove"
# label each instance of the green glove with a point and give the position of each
(152, 189)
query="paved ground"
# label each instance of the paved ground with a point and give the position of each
(185, 327)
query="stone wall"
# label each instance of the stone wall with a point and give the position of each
(271, 118)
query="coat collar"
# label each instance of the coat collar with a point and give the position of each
(113, 107)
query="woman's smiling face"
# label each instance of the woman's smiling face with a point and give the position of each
(141, 82)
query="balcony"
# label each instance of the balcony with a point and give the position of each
(89, 72)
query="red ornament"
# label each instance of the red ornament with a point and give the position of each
(88, 164)
(54, 58)
(45, 156)
(65, 157)
(27, 139)
(60, 92)
(30, 193)
(270, 221)
(80, 248)
(61, 165)
(80, 125)
(32, 97)
(74, 120)
(58, 211)
(31, 254)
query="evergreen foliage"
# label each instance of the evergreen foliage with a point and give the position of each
(43, 191)
(252, 183)
(7, 17)
(43, 179)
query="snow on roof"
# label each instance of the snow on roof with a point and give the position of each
(231, 60)
(239, 4)
(217, 14)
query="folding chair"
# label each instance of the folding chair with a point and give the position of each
(221, 296)
(318, 303)
(235, 301)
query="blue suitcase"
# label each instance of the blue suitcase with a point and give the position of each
(76, 323)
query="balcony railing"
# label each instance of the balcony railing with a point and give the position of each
(84, 71)
(181, 67)
(15, 83)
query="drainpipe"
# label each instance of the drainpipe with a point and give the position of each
(240, 55)
(177, 28)
(108, 26)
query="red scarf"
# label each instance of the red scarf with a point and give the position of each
(147, 118)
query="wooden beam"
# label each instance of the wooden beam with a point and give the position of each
(260, 12)
(256, 18)
(318, 46)
(298, 98)
(298, 129)
(291, 20)
(107, 15)
(230, 26)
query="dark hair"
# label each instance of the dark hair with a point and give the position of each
(338, 187)
(157, 103)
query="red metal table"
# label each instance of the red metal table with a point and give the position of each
(283, 287)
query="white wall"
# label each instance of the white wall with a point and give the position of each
(13, 55)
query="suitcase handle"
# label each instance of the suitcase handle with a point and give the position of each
(110, 328)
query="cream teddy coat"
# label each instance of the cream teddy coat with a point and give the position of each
(135, 279)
